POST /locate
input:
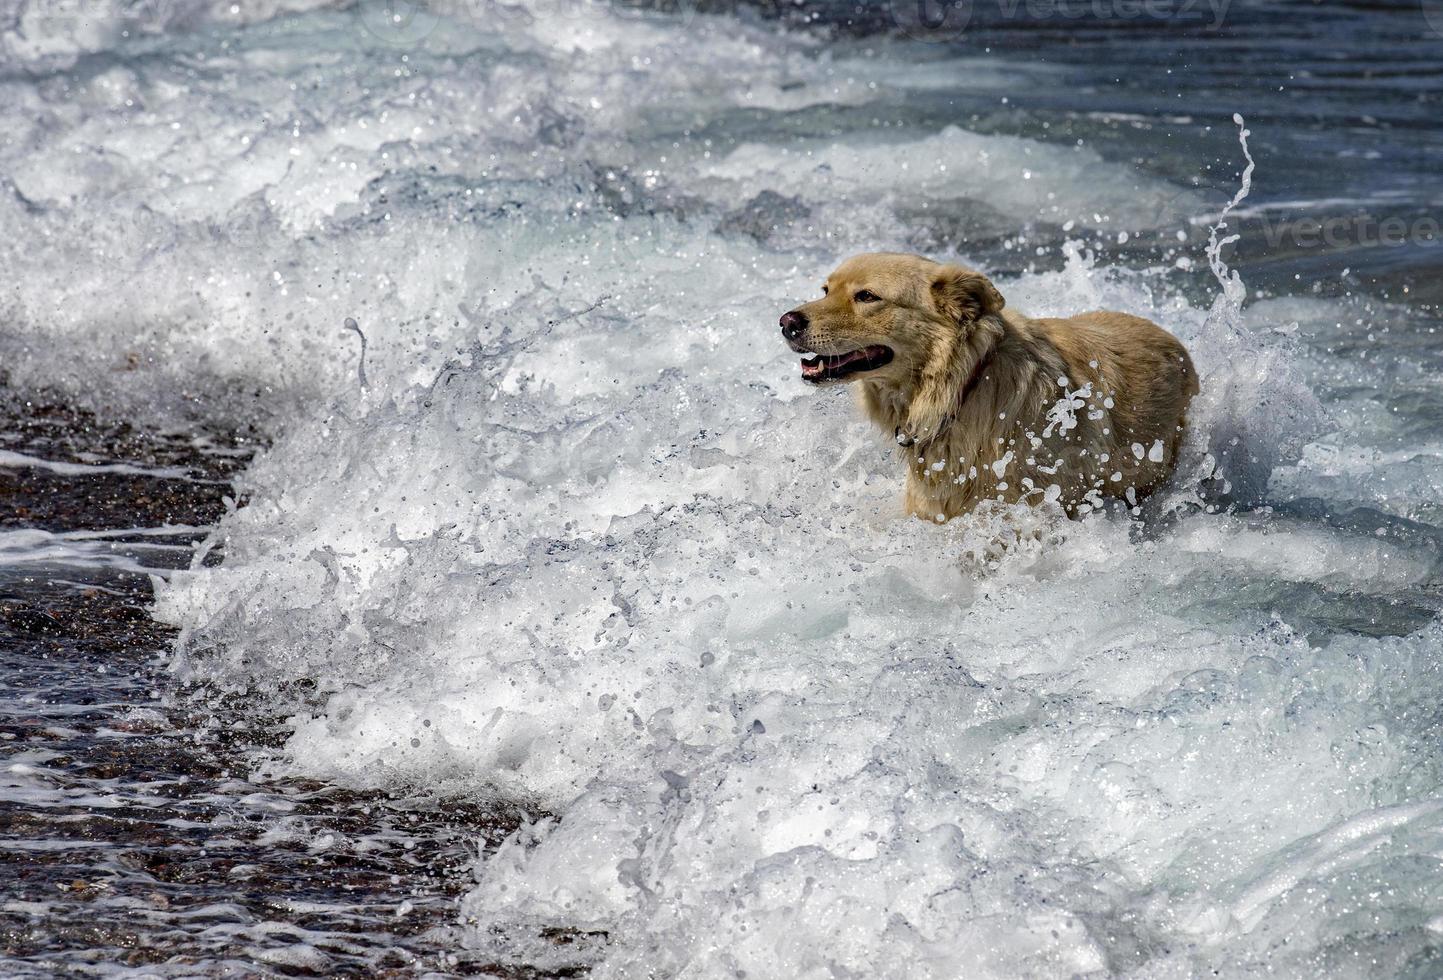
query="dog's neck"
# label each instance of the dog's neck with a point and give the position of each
(922, 405)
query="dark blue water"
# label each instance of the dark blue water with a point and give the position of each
(1343, 100)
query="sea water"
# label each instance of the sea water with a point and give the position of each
(546, 519)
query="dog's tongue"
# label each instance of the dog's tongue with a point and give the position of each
(811, 367)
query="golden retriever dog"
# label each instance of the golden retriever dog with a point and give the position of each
(994, 405)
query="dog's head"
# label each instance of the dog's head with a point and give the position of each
(887, 317)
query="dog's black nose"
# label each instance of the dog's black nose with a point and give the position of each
(793, 323)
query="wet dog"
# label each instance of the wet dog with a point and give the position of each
(994, 405)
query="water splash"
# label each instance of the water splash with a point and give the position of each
(1233, 289)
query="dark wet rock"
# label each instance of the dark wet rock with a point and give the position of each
(131, 829)
(37, 497)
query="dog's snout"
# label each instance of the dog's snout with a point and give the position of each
(793, 323)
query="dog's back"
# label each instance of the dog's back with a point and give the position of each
(1145, 372)
(1069, 409)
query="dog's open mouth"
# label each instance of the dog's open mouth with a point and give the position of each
(829, 367)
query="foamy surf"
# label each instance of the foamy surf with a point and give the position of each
(547, 519)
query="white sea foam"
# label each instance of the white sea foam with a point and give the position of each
(14, 460)
(28, 548)
(582, 540)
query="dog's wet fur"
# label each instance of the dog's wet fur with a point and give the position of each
(989, 403)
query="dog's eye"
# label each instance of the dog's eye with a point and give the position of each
(866, 296)
(825, 290)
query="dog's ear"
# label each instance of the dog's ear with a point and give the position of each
(965, 298)
(962, 295)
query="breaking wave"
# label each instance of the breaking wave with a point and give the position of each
(553, 522)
